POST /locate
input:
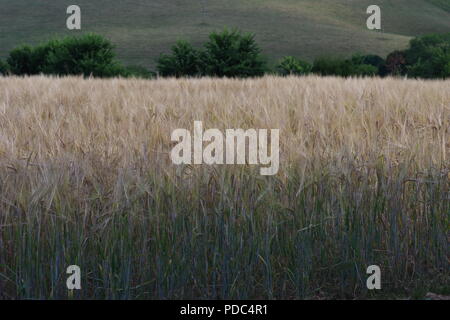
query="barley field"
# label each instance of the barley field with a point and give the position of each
(86, 179)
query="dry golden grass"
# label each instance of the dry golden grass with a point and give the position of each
(321, 119)
(86, 179)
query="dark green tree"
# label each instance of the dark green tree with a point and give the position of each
(21, 61)
(86, 55)
(325, 66)
(89, 55)
(353, 67)
(292, 66)
(182, 62)
(4, 68)
(232, 54)
(364, 65)
(370, 59)
(429, 56)
(363, 70)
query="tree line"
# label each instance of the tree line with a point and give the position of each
(229, 53)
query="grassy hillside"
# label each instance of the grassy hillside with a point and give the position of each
(444, 4)
(308, 28)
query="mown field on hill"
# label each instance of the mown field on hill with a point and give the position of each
(142, 30)
(86, 179)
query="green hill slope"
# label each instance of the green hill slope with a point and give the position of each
(142, 29)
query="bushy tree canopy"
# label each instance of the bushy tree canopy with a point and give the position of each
(429, 56)
(355, 66)
(21, 61)
(86, 55)
(292, 66)
(4, 68)
(225, 54)
(182, 62)
(232, 54)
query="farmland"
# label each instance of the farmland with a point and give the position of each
(86, 179)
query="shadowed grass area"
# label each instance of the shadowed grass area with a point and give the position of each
(445, 5)
(226, 235)
(86, 179)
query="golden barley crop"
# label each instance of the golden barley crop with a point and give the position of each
(86, 179)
